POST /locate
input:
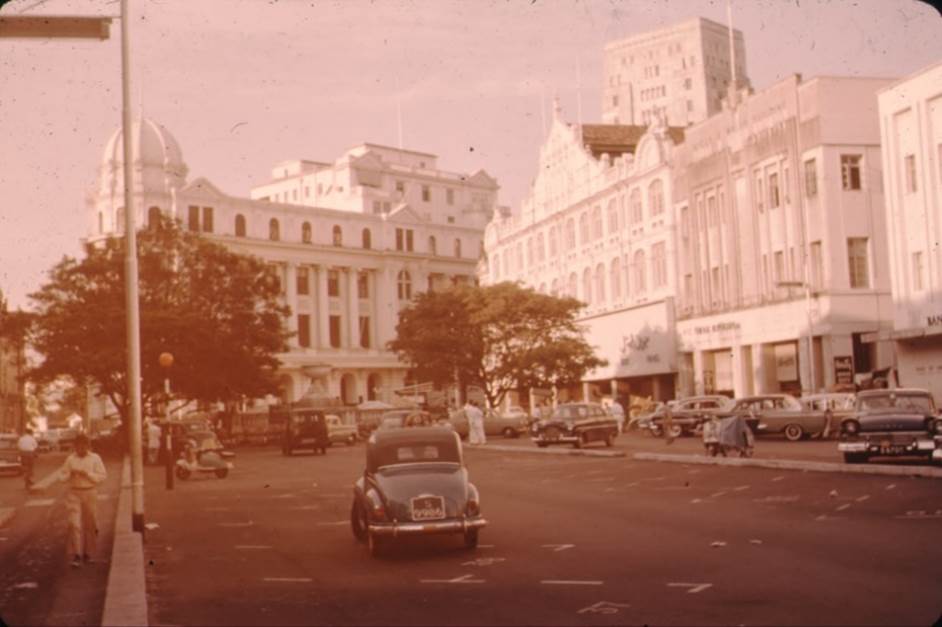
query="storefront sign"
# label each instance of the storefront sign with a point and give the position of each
(786, 362)
(717, 327)
(844, 369)
(934, 320)
(635, 342)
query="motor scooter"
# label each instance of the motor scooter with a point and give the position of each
(725, 435)
(193, 461)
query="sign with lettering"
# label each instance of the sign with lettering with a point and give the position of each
(844, 369)
(934, 320)
(635, 342)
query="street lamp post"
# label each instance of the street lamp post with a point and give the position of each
(807, 288)
(166, 361)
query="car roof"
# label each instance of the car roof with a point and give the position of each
(888, 391)
(411, 435)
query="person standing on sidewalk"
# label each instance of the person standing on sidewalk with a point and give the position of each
(83, 470)
(153, 441)
(668, 423)
(27, 446)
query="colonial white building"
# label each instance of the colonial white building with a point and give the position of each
(780, 206)
(682, 72)
(352, 240)
(597, 225)
(911, 128)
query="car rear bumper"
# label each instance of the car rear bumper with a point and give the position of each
(877, 448)
(431, 527)
(563, 439)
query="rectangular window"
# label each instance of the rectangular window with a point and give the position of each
(712, 218)
(193, 221)
(759, 194)
(294, 194)
(207, 219)
(409, 240)
(688, 287)
(817, 265)
(363, 285)
(377, 207)
(334, 331)
(717, 290)
(426, 193)
(765, 273)
(400, 188)
(333, 283)
(450, 196)
(786, 184)
(659, 262)
(307, 191)
(850, 171)
(857, 262)
(364, 331)
(917, 271)
(773, 191)
(811, 178)
(304, 330)
(400, 239)
(304, 281)
(909, 165)
(779, 266)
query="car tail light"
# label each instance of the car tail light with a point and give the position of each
(377, 509)
(473, 507)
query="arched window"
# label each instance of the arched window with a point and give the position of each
(540, 247)
(153, 218)
(573, 289)
(119, 220)
(636, 212)
(615, 280)
(570, 234)
(457, 247)
(307, 233)
(587, 286)
(372, 387)
(600, 283)
(612, 216)
(101, 222)
(640, 271)
(404, 283)
(274, 230)
(584, 228)
(337, 235)
(367, 237)
(596, 222)
(432, 245)
(656, 197)
(553, 241)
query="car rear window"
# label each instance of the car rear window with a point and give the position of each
(416, 453)
(915, 402)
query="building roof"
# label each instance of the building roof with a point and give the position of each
(617, 139)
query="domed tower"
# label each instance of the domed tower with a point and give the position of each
(158, 171)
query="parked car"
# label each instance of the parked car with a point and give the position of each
(577, 424)
(10, 455)
(688, 414)
(896, 422)
(415, 484)
(779, 413)
(305, 429)
(512, 424)
(836, 407)
(338, 432)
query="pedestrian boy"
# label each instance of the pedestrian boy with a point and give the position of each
(28, 447)
(83, 471)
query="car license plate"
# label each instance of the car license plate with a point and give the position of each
(428, 508)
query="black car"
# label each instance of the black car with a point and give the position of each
(688, 414)
(415, 484)
(304, 429)
(891, 423)
(577, 424)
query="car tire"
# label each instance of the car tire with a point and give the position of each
(793, 432)
(222, 473)
(182, 473)
(471, 539)
(582, 441)
(358, 523)
(542, 444)
(676, 431)
(855, 458)
(509, 433)
(610, 440)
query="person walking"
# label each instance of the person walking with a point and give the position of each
(619, 413)
(153, 441)
(27, 447)
(84, 471)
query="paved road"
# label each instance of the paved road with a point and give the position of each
(572, 540)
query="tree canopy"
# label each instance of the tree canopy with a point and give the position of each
(499, 337)
(217, 312)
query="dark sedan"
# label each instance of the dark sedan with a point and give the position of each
(415, 484)
(577, 424)
(891, 423)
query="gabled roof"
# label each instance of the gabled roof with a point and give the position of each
(404, 213)
(202, 185)
(617, 139)
(483, 179)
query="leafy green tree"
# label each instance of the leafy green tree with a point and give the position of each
(500, 337)
(217, 312)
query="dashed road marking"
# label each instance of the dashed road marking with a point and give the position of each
(247, 523)
(890, 487)
(603, 607)
(861, 499)
(777, 499)
(716, 495)
(305, 508)
(826, 517)
(462, 579)
(558, 547)
(251, 547)
(841, 508)
(485, 561)
(918, 514)
(288, 579)
(778, 478)
(694, 588)
(696, 501)
(39, 502)
(26, 585)
(740, 488)
(571, 582)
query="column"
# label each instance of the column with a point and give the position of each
(323, 309)
(291, 298)
(698, 382)
(805, 355)
(387, 304)
(353, 309)
(740, 376)
(586, 389)
(375, 302)
(759, 370)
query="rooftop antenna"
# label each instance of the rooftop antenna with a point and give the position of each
(733, 90)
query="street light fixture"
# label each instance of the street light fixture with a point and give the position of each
(807, 288)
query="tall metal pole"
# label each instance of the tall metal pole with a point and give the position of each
(811, 372)
(131, 300)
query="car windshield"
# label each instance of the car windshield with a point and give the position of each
(420, 452)
(571, 412)
(911, 402)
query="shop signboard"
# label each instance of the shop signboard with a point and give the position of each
(635, 342)
(844, 369)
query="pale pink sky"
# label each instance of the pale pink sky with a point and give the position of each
(312, 79)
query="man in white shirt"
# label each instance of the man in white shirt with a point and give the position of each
(83, 470)
(153, 442)
(27, 446)
(619, 413)
(475, 416)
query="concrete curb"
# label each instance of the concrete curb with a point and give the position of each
(581, 452)
(794, 464)
(126, 594)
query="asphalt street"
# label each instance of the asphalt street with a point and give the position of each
(571, 540)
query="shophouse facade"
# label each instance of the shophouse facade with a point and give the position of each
(911, 130)
(782, 238)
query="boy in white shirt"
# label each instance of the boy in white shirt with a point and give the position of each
(83, 470)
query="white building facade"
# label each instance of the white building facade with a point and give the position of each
(911, 130)
(681, 72)
(352, 241)
(782, 237)
(597, 226)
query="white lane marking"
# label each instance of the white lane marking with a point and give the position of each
(694, 588)
(776, 499)
(603, 607)
(26, 585)
(740, 488)
(247, 523)
(251, 547)
(282, 496)
(632, 484)
(890, 487)
(716, 495)
(103, 497)
(861, 499)
(485, 561)
(696, 501)
(609, 489)
(755, 541)
(841, 508)
(558, 547)
(571, 582)
(288, 579)
(305, 508)
(778, 478)
(826, 517)
(693, 471)
(151, 526)
(39, 502)
(462, 579)
(601, 480)
(334, 523)
(717, 544)
(918, 514)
